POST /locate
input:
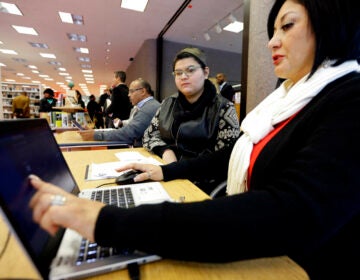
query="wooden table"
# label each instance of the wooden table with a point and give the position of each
(14, 265)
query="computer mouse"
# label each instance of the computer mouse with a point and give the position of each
(127, 177)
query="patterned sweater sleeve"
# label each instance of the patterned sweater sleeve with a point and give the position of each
(229, 127)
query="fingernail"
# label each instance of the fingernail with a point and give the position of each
(33, 177)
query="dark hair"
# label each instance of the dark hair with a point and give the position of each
(121, 75)
(49, 91)
(195, 53)
(146, 85)
(336, 25)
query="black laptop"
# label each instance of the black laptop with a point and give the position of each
(27, 146)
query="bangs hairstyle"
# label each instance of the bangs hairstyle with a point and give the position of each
(336, 25)
(185, 54)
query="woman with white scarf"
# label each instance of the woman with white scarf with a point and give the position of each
(293, 175)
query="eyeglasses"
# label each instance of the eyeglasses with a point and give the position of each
(188, 71)
(136, 89)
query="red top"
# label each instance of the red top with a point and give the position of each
(261, 144)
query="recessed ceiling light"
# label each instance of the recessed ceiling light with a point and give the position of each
(4, 51)
(86, 71)
(54, 63)
(84, 59)
(25, 30)
(48, 55)
(82, 50)
(236, 27)
(61, 69)
(70, 18)
(20, 60)
(63, 74)
(44, 76)
(2, 64)
(35, 82)
(35, 71)
(136, 5)
(39, 45)
(85, 66)
(10, 9)
(32, 66)
(77, 37)
(20, 74)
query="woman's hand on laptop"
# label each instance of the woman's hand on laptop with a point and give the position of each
(150, 171)
(54, 208)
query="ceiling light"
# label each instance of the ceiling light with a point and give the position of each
(66, 17)
(35, 71)
(39, 45)
(48, 55)
(218, 28)
(236, 27)
(35, 82)
(82, 50)
(32, 66)
(84, 59)
(2, 65)
(63, 74)
(20, 60)
(10, 9)
(207, 36)
(43, 76)
(76, 37)
(25, 30)
(54, 63)
(136, 5)
(232, 18)
(86, 71)
(20, 74)
(61, 69)
(4, 51)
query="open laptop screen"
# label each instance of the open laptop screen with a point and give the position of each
(27, 146)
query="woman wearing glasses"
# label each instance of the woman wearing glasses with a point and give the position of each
(195, 120)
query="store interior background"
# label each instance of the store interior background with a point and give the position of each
(142, 44)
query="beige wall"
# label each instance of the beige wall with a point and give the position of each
(261, 79)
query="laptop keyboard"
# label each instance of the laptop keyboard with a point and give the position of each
(90, 251)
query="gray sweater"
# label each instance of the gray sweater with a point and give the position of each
(133, 132)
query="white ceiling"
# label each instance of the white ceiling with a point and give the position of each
(105, 21)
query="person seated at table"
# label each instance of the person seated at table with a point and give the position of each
(293, 174)
(195, 120)
(131, 130)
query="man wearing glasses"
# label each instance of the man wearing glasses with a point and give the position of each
(130, 131)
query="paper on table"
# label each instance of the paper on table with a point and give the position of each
(99, 171)
(136, 157)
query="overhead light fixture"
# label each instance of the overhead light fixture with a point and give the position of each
(236, 27)
(25, 30)
(10, 9)
(70, 18)
(48, 55)
(207, 36)
(77, 37)
(82, 50)
(232, 18)
(4, 51)
(218, 28)
(2, 65)
(136, 5)
(39, 45)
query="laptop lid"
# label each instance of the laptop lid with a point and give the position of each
(27, 146)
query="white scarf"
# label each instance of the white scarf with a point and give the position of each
(275, 108)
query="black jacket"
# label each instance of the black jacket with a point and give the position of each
(304, 198)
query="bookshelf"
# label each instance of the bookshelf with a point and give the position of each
(9, 90)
